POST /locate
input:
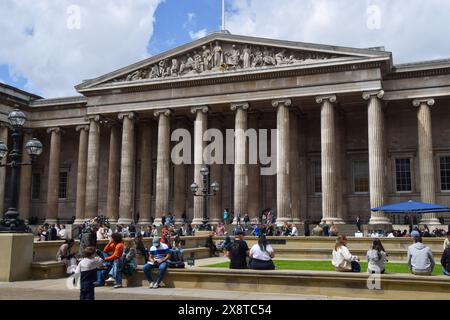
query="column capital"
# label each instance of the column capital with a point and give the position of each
(419, 102)
(285, 102)
(129, 115)
(57, 130)
(165, 112)
(376, 93)
(83, 127)
(204, 109)
(331, 98)
(237, 105)
(95, 118)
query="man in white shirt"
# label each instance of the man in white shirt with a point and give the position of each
(294, 231)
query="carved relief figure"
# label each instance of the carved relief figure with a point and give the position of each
(257, 58)
(221, 58)
(207, 58)
(268, 58)
(218, 55)
(246, 57)
(174, 68)
(232, 57)
(198, 62)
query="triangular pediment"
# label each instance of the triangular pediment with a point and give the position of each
(223, 53)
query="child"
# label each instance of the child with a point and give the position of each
(87, 272)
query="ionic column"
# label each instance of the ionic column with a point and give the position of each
(92, 168)
(25, 181)
(200, 126)
(4, 139)
(81, 174)
(283, 156)
(254, 181)
(215, 202)
(112, 197)
(162, 164)
(426, 162)
(127, 167)
(53, 175)
(145, 196)
(240, 160)
(329, 160)
(294, 168)
(375, 120)
(179, 188)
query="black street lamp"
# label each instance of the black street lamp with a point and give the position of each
(205, 193)
(11, 223)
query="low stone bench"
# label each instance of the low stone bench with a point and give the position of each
(314, 283)
(55, 269)
(397, 255)
(48, 270)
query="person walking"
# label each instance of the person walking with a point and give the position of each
(376, 258)
(343, 260)
(420, 258)
(261, 255)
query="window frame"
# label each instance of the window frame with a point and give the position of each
(66, 185)
(411, 171)
(352, 167)
(439, 157)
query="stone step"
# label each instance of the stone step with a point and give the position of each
(324, 283)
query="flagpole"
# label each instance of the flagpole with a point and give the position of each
(223, 15)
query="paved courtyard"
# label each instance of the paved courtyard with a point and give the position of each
(57, 290)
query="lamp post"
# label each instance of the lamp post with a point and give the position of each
(12, 223)
(205, 193)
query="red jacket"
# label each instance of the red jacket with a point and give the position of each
(116, 248)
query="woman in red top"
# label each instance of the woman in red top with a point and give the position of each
(111, 253)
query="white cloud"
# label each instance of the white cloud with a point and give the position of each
(46, 43)
(412, 29)
(191, 16)
(197, 35)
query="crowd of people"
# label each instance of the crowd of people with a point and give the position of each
(420, 258)
(52, 232)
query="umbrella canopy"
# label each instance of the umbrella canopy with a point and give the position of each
(412, 207)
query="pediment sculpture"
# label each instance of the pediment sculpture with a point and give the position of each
(222, 56)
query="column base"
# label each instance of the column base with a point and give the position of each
(158, 222)
(144, 223)
(125, 221)
(379, 220)
(297, 221)
(215, 221)
(79, 222)
(51, 221)
(197, 221)
(430, 222)
(280, 221)
(332, 220)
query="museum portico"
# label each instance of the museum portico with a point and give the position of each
(355, 131)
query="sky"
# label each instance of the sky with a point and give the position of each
(47, 47)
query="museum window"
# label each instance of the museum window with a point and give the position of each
(62, 185)
(317, 176)
(360, 170)
(35, 186)
(445, 173)
(403, 175)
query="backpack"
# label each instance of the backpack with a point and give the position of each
(176, 259)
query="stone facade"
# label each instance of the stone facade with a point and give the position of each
(354, 132)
